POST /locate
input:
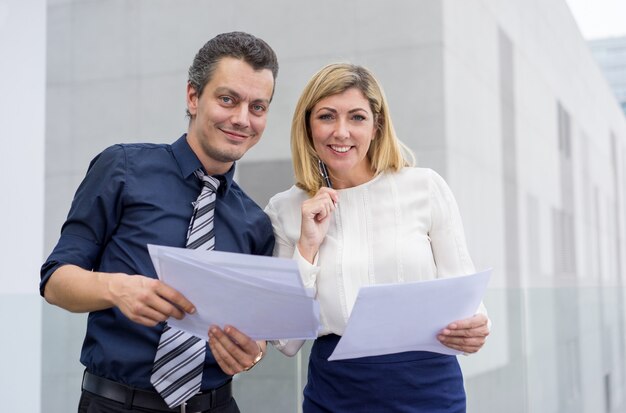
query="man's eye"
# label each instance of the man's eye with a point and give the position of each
(226, 99)
(258, 108)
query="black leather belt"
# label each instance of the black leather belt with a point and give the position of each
(146, 399)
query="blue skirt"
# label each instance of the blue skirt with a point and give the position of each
(411, 382)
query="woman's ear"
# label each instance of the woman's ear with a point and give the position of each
(378, 125)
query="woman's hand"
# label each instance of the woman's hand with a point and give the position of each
(316, 214)
(467, 335)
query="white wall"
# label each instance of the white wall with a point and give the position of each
(22, 122)
(564, 338)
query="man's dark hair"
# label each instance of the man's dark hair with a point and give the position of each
(239, 45)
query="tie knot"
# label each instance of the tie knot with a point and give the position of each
(207, 180)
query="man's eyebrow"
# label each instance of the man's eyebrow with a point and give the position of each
(228, 91)
(261, 100)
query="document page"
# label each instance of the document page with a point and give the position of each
(394, 318)
(262, 296)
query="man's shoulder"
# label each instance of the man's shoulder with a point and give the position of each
(133, 152)
(138, 147)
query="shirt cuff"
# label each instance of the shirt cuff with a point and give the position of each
(308, 271)
(288, 347)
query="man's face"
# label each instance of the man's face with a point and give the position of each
(230, 116)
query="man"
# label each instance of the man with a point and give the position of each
(139, 194)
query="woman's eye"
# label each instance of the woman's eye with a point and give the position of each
(326, 116)
(359, 118)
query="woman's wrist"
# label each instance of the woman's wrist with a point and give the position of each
(307, 252)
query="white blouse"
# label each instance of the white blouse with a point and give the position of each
(398, 227)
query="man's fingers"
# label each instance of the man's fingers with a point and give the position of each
(222, 357)
(176, 298)
(164, 308)
(249, 346)
(146, 321)
(226, 362)
(147, 317)
(238, 345)
(233, 350)
(231, 358)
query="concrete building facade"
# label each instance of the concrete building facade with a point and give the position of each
(610, 54)
(502, 98)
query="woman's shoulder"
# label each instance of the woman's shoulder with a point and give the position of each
(287, 199)
(415, 174)
(426, 179)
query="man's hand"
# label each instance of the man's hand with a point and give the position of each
(147, 301)
(234, 351)
(142, 299)
(467, 335)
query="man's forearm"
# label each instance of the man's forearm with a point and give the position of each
(78, 290)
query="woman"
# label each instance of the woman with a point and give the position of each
(382, 221)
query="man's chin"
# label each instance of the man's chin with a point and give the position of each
(226, 153)
(228, 157)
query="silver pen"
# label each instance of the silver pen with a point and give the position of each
(324, 173)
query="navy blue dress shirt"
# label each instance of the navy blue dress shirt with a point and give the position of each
(134, 195)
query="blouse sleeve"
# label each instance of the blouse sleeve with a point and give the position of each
(285, 247)
(447, 237)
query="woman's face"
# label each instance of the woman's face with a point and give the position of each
(342, 128)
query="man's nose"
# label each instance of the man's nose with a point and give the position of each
(240, 116)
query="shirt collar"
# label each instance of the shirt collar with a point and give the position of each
(188, 162)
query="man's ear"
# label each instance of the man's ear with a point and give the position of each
(192, 99)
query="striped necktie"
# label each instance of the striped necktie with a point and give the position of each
(179, 361)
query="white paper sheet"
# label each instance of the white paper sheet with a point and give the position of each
(393, 318)
(262, 296)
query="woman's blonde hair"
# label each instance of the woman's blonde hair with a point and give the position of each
(386, 152)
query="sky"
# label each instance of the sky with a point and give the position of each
(599, 18)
